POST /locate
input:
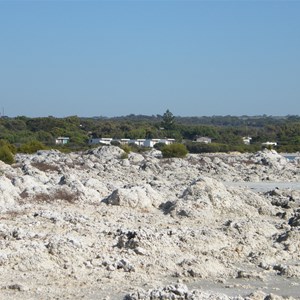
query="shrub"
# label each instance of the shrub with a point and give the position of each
(124, 155)
(11, 147)
(6, 155)
(195, 147)
(159, 146)
(174, 150)
(31, 147)
(115, 143)
(134, 148)
(126, 148)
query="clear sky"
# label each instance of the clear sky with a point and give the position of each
(113, 58)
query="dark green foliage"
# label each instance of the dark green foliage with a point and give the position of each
(174, 150)
(31, 147)
(168, 120)
(191, 131)
(226, 132)
(11, 147)
(126, 148)
(288, 148)
(124, 155)
(6, 154)
(159, 146)
(137, 149)
(115, 143)
(206, 148)
(194, 147)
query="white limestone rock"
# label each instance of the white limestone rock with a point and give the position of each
(135, 197)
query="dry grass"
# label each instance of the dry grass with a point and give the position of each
(194, 161)
(45, 167)
(65, 195)
(11, 214)
(77, 165)
(16, 165)
(60, 194)
(165, 161)
(248, 162)
(24, 194)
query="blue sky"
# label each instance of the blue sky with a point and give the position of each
(113, 58)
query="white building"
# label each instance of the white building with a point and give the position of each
(151, 142)
(247, 140)
(269, 144)
(203, 139)
(167, 141)
(138, 142)
(62, 140)
(123, 141)
(94, 141)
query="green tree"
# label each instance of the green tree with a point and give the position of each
(168, 121)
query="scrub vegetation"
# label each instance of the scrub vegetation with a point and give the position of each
(27, 135)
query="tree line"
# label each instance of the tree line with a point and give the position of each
(26, 134)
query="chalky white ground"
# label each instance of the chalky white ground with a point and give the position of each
(95, 226)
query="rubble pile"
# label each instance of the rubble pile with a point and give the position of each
(103, 225)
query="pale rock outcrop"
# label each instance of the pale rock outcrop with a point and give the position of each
(176, 291)
(135, 158)
(135, 197)
(97, 224)
(8, 194)
(270, 158)
(207, 196)
(107, 152)
(181, 292)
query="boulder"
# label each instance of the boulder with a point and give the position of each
(107, 152)
(135, 196)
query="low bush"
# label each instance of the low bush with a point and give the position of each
(6, 155)
(126, 148)
(124, 155)
(159, 146)
(115, 143)
(11, 147)
(174, 150)
(194, 147)
(31, 147)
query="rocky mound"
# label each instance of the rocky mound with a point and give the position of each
(98, 224)
(181, 292)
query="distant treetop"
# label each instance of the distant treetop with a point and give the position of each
(168, 120)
